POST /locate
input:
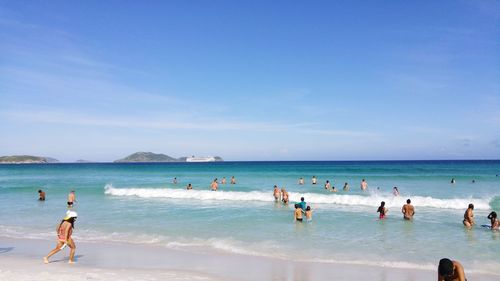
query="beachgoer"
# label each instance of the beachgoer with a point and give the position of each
(473, 181)
(453, 180)
(302, 204)
(233, 180)
(41, 194)
(395, 191)
(71, 199)
(495, 223)
(189, 186)
(223, 181)
(364, 184)
(328, 185)
(469, 217)
(276, 193)
(214, 186)
(284, 196)
(382, 210)
(301, 181)
(309, 213)
(346, 187)
(314, 180)
(175, 181)
(449, 270)
(297, 215)
(64, 232)
(408, 210)
(334, 189)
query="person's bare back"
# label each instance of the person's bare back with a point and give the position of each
(408, 210)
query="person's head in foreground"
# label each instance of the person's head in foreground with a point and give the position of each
(408, 201)
(449, 270)
(71, 218)
(471, 206)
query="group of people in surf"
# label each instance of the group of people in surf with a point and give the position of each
(214, 185)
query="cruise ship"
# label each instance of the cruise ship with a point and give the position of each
(201, 159)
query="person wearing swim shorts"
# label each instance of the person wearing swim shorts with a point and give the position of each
(41, 194)
(297, 215)
(64, 232)
(71, 198)
(449, 270)
(314, 180)
(469, 217)
(408, 210)
(382, 210)
(214, 186)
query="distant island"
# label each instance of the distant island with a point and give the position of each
(139, 157)
(26, 159)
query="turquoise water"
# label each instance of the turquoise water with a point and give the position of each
(138, 203)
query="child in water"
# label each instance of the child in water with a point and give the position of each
(309, 213)
(382, 210)
(297, 215)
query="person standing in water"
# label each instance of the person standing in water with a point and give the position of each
(297, 215)
(382, 210)
(189, 186)
(453, 181)
(276, 193)
(449, 270)
(495, 224)
(309, 213)
(301, 181)
(408, 210)
(284, 196)
(214, 186)
(469, 217)
(314, 180)
(233, 180)
(41, 195)
(302, 204)
(364, 185)
(64, 232)
(174, 181)
(346, 187)
(328, 185)
(223, 181)
(395, 191)
(71, 199)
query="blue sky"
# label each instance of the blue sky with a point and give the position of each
(251, 80)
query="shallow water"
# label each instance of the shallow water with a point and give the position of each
(138, 203)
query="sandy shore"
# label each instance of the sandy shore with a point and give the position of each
(21, 259)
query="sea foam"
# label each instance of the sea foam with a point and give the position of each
(372, 200)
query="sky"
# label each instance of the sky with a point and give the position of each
(251, 80)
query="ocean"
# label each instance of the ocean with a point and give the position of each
(139, 203)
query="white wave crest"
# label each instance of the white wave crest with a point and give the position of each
(372, 200)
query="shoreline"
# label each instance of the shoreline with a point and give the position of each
(21, 259)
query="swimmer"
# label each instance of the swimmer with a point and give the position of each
(449, 270)
(473, 181)
(174, 181)
(309, 215)
(382, 210)
(469, 217)
(364, 185)
(41, 194)
(71, 199)
(297, 215)
(223, 180)
(453, 180)
(395, 191)
(64, 232)
(284, 196)
(314, 180)
(302, 204)
(328, 185)
(301, 181)
(233, 180)
(189, 186)
(276, 193)
(346, 187)
(333, 189)
(408, 210)
(495, 224)
(214, 186)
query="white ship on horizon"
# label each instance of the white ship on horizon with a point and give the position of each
(201, 159)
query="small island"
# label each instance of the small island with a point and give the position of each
(26, 159)
(144, 157)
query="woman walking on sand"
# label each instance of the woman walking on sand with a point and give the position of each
(64, 232)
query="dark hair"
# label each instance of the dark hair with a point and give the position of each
(301, 198)
(408, 201)
(445, 267)
(471, 206)
(492, 215)
(70, 220)
(382, 204)
(39, 191)
(296, 206)
(308, 208)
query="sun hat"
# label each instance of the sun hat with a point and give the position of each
(70, 214)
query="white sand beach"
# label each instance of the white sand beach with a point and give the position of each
(21, 259)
